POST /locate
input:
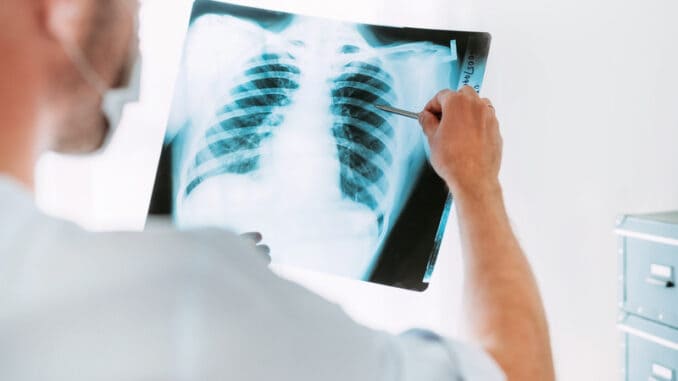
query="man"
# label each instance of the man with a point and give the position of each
(203, 305)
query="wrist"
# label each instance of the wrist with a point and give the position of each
(485, 194)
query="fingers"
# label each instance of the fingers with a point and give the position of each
(253, 237)
(264, 249)
(430, 117)
(433, 111)
(489, 104)
(429, 122)
(468, 90)
(435, 105)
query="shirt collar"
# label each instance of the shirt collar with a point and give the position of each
(16, 204)
(11, 190)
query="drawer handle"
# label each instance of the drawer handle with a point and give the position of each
(653, 378)
(659, 282)
(660, 372)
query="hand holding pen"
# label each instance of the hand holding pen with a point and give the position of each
(463, 133)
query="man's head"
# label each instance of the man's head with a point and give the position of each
(67, 53)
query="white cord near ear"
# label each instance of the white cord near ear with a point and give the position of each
(81, 63)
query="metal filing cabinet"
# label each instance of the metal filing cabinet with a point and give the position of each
(648, 296)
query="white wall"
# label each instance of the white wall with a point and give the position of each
(587, 96)
(585, 91)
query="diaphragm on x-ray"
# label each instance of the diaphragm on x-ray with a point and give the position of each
(274, 129)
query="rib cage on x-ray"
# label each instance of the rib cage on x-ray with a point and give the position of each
(364, 136)
(233, 143)
(276, 130)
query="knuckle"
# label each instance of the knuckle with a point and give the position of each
(450, 100)
(468, 90)
(470, 98)
(444, 94)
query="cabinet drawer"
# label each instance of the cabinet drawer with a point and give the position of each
(651, 352)
(649, 273)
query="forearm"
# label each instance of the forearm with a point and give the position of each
(502, 304)
(503, 308)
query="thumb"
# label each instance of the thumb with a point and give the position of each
(429, 122)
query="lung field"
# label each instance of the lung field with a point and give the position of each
(233, 143)
(363, 134)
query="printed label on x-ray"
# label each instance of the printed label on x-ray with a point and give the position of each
(473, 66)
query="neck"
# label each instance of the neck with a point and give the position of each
(18, 156)
(19, 117)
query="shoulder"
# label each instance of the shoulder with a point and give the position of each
(46, 259)
(152, 303)
(198, 303)
(50, 262)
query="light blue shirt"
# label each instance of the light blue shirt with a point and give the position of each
(173, 305)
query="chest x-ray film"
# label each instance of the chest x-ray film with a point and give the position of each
(274, 129)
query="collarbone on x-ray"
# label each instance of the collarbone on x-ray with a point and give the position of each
(284, 136)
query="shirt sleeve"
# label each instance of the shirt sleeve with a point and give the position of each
(424, 355)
